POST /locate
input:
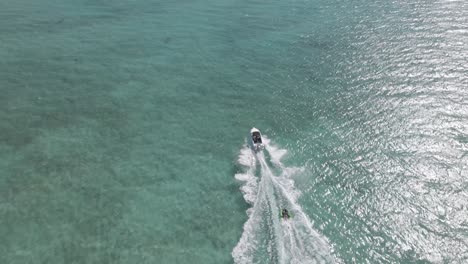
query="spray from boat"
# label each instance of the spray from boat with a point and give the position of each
(268, 186)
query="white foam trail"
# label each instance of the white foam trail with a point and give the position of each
(266, 237)
(246, 157)
(249, 188)
(276, 153)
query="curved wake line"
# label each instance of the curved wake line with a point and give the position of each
(267, 238)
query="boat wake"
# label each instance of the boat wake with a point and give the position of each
(267, 238)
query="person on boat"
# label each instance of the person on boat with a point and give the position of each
(285, 214)
(256, 138)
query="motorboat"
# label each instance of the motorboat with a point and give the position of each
(256, 140)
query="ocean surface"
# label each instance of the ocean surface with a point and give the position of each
(124, 127)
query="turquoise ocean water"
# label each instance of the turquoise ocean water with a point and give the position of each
(123, 127)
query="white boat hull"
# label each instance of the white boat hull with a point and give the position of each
(256, 140)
